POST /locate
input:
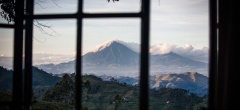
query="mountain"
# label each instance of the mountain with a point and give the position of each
(172, 62)
(112, 56)
(131, 45)
(192, 81)
(117, 58)
(100, 95)
(40, 78)
(66, 67)
(112, 53)
(6, 78)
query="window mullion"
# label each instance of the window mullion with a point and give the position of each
(28, 55)
(78, 77)
(18, 52)
(144, 59)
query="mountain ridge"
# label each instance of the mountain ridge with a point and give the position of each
(40, 78)
(192, 81)
(115, 52)
(113, 58)
(99, 94)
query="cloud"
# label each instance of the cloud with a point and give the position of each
(187, 51)
(44, 58)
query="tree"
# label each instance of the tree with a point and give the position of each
(7, 10)
(117, 101)
(87, 85)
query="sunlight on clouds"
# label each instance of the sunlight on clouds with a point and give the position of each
(188, 51)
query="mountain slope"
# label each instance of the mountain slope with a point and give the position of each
(192, 81)
(174, 63)
(98, 94)
(6, 79)
(115, 58)
(113, 53)
(67, 67)
(171, 58)
(40, 78)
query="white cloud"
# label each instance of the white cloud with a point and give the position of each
(162, 48)
(187, 51)
(44, 58)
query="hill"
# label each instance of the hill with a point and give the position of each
(105, 95)
(192, 81)
(40, 78)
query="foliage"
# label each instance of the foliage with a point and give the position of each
(51, 106)
(6, 79)
(105, 95)
(40, 78)
(5, 96)
(7, 9)
(63, 91)
(117, 101)
(111, 95)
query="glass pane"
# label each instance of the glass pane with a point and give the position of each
(179, 54)
(55, 6)
(5, 21)
(54, 61)
(6, 64)
(111, 64)
(103, 6)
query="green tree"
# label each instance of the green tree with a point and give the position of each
(117, 101)
(87, 85)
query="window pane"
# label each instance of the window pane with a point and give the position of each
(6, 64)
(4, 21)
(55, 6)
(179, 54)
(4, 16)
(54, 64)
(111, 64)
(103, 6)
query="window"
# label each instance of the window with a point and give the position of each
(22, 91)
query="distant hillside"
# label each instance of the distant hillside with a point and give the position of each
(192, 81)
(5, 79)
(110, 95)
(40, 78)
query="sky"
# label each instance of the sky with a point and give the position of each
(177, 23)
